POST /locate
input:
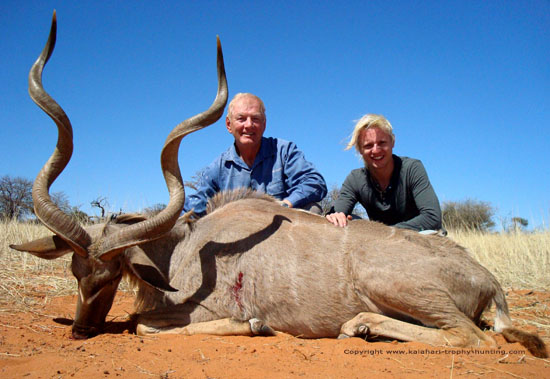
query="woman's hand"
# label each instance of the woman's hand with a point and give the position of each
(338, 219)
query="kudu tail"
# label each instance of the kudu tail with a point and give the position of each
(503, 324)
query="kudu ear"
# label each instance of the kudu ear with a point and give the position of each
(147, 271)
(51, 247)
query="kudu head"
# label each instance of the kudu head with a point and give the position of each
(100, 251)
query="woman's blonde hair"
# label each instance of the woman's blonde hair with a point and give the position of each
(369, 121)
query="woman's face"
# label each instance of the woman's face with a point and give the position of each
(376, 147)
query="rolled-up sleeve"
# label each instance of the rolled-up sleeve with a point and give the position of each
(305, 184)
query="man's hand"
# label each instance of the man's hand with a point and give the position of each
(338, 219)
(288, 203)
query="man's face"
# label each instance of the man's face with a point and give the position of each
(247, 123)
(376, 148)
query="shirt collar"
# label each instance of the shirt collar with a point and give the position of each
(231, 154)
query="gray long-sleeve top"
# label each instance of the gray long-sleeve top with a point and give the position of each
(408, 202)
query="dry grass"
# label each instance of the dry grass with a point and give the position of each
(27, 281)
(519, 260)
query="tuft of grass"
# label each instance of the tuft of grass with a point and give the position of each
(519, 260)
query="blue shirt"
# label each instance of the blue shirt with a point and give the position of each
(279, 169)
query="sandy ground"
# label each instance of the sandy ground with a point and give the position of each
(36, 344)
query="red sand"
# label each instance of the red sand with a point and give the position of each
(36, 344)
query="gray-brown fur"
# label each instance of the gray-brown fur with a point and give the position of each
(224, 197)
(255, 259)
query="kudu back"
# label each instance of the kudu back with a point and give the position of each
(251, 266)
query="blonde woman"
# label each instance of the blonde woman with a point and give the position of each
(394, 190)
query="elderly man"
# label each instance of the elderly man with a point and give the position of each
(394, 190)
(270, 165)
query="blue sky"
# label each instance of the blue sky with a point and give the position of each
(466, 85)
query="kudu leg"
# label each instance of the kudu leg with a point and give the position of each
(373, 324)
(190, 319)
(221, 327)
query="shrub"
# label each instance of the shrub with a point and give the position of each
(468, 215)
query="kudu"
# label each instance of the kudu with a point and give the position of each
(251, 265)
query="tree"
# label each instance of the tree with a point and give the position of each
(328, 201)
(519, 223)
(332, 195)
(154, 209)
(61, 200)
(15, 198)
(516, 224)
(101, 203)
(468, 215)
(79, 215)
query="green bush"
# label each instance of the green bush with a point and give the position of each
(468, 215)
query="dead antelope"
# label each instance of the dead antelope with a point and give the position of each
(251, 264)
